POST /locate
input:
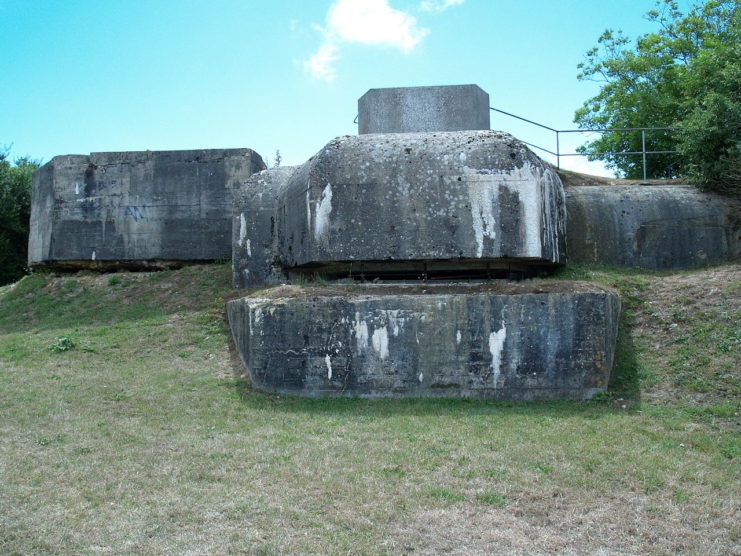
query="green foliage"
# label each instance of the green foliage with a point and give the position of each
(709, 144)
(492, 498)
(684, 75)
(15, 212)
(445, 494)
(63, 344)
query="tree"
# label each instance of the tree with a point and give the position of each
(15, 212)
(685, 75)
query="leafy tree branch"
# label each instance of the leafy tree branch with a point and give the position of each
(686, 74)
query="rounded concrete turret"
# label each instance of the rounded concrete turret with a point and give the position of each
(391, 204)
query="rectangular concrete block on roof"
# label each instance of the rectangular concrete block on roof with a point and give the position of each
(421, 109)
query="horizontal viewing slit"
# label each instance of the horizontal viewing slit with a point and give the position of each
(463, 269)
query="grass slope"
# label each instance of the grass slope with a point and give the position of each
(142, 440)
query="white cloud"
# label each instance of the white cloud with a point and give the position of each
(371, 22)
(320, 65)
(438, 5)
(374, 22)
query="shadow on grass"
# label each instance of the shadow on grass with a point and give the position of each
(391, 407)
(624, 380)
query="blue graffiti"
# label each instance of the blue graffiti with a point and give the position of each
(136, 213)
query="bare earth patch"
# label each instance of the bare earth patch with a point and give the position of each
(672, 328)
(173, 289)
(569, 522)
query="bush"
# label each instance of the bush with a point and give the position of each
(684, 75)
(15, 212)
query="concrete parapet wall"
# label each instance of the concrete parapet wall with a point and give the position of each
(136, 208)
(652, 226)
(499, 340)
(422, 109)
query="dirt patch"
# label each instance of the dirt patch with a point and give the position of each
(186, 289)
(495, 287)
(89, 279)
(687, 319)
(563, 522)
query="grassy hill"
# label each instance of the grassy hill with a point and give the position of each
(126, 429)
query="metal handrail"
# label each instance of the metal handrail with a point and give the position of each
(558, 154)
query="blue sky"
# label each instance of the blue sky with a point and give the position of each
(79, 76)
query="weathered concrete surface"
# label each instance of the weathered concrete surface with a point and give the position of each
(655, 227)
(548, 340)
(469, 198)
(447, 195)
(136, 208)
(419, 109)
(254, 238)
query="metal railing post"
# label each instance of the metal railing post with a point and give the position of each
(557, 153)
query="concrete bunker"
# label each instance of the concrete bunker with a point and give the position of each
(428, 201)
(416, 204)
(136, 209)
(651, 226)
(498, 340)
(464, 204)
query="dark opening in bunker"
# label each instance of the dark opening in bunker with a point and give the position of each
(458, 269)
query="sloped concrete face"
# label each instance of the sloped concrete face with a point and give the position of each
(423, 109)
(654, 227)
(474, 198)
(136, 208)
(255, 257)
(490, 341)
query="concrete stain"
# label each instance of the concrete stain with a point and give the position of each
(324, 209)
(496, 346)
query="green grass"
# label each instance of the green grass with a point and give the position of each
(631, 283)
(704, 357)
(146, 442)
(492, 498)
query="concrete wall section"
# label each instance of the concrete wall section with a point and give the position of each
(136, 208)
(654, 227)
(255, 260)
(480, 344)
(479, 195)
(420, 109)
(42, 207)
